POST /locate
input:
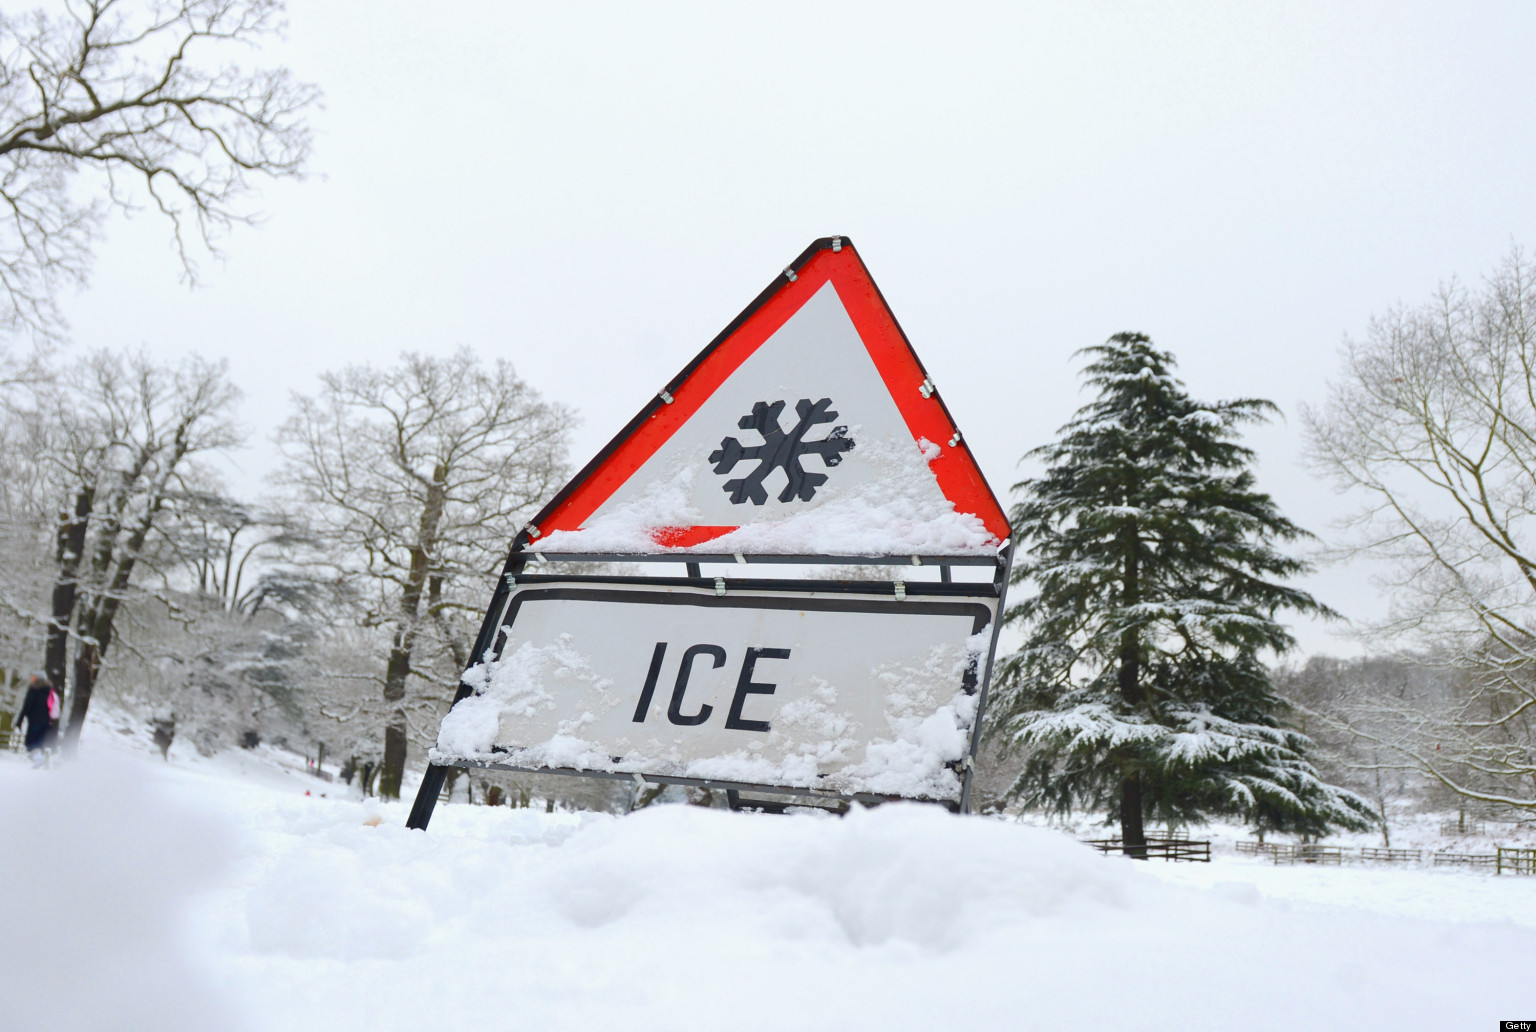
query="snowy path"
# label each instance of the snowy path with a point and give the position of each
(216, 895)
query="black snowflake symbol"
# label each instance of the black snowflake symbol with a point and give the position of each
(781, 451)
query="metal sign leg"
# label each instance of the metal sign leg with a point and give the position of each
(426, 797)
(432, 780)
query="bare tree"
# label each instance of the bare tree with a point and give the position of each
(1434, 424)
(196, 672)
(419, 476)
(1351, 707)
(145, 96)
(120, 435)
(228, 549)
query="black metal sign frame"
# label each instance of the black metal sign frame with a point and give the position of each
(503, 608)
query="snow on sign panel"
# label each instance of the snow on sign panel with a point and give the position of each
(807, 427)
(839, 692)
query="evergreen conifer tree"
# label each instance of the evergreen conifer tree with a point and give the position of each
(1140, 688)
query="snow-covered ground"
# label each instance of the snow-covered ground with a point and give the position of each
(216, 894)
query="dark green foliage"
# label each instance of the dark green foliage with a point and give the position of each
(1153, 578)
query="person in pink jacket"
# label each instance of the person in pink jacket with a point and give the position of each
(39, 710)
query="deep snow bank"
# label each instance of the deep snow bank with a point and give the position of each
(98, 872)
(678, 918)
(904, 917)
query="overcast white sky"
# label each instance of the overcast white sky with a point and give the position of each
(595, 190)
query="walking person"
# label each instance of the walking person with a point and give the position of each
(39, 710)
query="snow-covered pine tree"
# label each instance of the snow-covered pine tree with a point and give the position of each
(1150, 558)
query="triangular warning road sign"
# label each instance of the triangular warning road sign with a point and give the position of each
(807, 427)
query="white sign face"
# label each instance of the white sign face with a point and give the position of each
(850, 693)
(855, 441)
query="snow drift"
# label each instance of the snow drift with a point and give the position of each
(99, 874)
(680, 918)
(904, 917)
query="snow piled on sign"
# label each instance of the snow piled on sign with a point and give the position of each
(812, 743)
(898, 511)
(521, 684)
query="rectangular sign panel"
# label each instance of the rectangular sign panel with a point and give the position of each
(847, 692)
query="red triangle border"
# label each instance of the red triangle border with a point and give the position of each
(828, 259)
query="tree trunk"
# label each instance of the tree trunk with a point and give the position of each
(1133, 836)
(392, 770)
(1129, 674)
(70, 546)
(87, 661)
(392, 767)
(97, 625)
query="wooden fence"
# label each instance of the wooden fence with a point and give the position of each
(1514, 860)
(1174, 846)
(1461, 827)
(1289, 853)
(1308, 853)
(1256, 848)
(1467, 860)
(1318, 853)
(1506, 860)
